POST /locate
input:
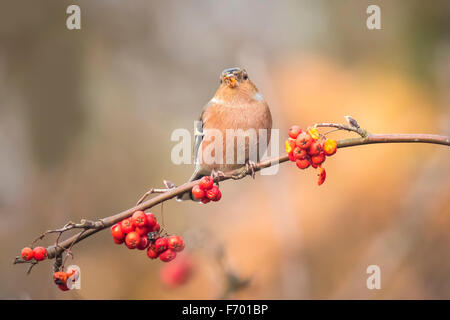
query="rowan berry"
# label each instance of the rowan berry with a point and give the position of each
(218, 196)
(294, 131)
(127, 225)
(322, 175)
(302, 163)
(27, 254)
(39, 253)
(118, 241)
(303, 140)
(143, 243)
(167, 255)
(117, 232)
(330, 147)
(299, 153)
(319, 159)
(139, 219)
(132, 240)
(142, 231)
(315, 148)
(198, 192)
(175, 243)
(151, 220)
(206, 183)
(151, 252)
(212, 193)
(161, 244)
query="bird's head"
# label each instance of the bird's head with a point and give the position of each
(233, 77)
(235, 85)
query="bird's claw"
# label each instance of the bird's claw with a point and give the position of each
(249, 168)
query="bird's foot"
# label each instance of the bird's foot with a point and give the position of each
(169, 185)
(217, 174)
(249, 168)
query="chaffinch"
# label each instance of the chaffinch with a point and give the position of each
(237, 104)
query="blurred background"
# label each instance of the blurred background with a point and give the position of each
(86, 118)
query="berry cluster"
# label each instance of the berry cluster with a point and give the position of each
(38, 253)
(61, 278)
(141, 231)
(306, 149)
(206, 191)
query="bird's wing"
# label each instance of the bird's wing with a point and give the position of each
(198, 137)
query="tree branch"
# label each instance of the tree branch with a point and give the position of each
(90, 228)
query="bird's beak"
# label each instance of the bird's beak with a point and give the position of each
(231, 81)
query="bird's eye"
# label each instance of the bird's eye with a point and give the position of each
(245, 77)
(220, 80)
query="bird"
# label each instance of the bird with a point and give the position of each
(237, 104)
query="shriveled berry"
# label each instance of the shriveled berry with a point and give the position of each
(118, 241)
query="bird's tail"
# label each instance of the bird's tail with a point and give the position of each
(188, 195)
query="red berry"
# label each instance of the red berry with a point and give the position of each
(118, 241)
(27, 254)
(167, 255)
(132, 240)
(218, 197)
(205, 200)
(303, 140)
(142, 231)
(151, 252)
(291, 156)
(161, 244)
(211, 194)
(116, 231)
(206, 183)
(156, 228)
(316, 160)
(176, 273)
(143, 243)
(176, 243)
(294, 131)
(63, 287)
(322, 175)
(302, 163)
(39, 253)
(315, 148)
(198, 192)
(127, 225)
(151, 220)
(299, 153)
(139, 219)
